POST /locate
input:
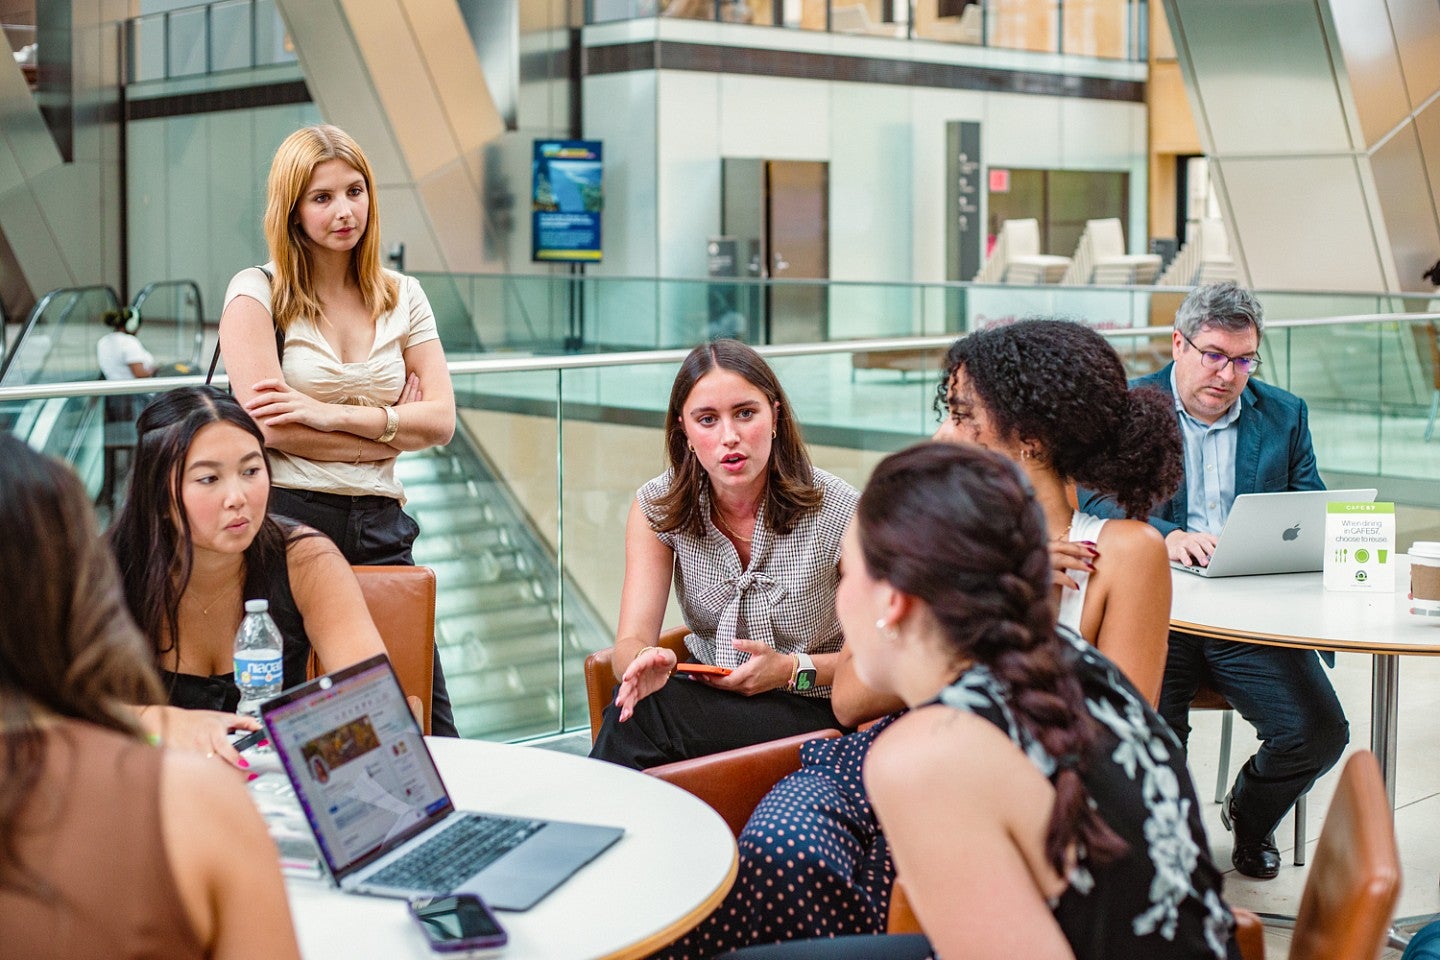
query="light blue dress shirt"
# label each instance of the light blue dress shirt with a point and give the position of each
(1209, 465)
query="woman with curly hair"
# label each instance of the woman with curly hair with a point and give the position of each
(1036, 805)
(1052, 396)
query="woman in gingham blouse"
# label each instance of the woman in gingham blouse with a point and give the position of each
(750, 532)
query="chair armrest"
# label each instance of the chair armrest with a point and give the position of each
(734, 782)
(600, 673)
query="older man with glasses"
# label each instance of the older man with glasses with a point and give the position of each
(1240, 436)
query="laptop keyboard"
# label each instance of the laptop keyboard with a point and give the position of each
(457, 854)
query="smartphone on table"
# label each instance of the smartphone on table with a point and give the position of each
(457, 923)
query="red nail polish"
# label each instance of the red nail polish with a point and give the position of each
(243, 763)
(263, 743)
(253, 776)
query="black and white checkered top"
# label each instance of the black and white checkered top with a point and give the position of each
(785, 597)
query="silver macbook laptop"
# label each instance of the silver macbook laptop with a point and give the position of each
(382, 819)
(1274, 533)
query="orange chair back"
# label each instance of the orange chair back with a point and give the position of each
(600, 674)
(1355, 874)
(401, 600)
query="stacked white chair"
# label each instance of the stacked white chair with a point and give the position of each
(1100, 258)
(1205, 257)
(1016, 257)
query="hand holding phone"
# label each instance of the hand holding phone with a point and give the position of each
(457, 923)
(702, 670)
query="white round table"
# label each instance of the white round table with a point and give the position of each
(1295, 610)
(674, 864)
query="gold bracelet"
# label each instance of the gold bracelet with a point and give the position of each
(392, 425)
(359, 452)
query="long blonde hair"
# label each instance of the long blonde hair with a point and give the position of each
(292, 291)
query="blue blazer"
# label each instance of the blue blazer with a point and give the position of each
(1273, 453)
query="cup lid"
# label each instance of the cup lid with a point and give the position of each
(1425, 548)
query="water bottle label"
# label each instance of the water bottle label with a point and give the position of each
(259, 670)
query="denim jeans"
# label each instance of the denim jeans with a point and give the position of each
(1285, 694)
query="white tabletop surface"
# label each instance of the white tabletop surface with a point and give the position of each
(674, 864)
(1294, 610)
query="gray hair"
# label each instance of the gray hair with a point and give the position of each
(1226, 306)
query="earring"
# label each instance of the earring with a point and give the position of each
(774, 433)
(1027, 454)
(887, 630)
(690, 446)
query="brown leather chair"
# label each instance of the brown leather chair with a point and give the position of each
(1208, 698)
(401, 601)
(1345, 909)
(734, 782)
(600, 675)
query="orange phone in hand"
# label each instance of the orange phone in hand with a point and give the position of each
(702, 669)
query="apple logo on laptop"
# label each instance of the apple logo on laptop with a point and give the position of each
(1291, 533)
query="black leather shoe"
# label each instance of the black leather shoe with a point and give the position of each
(1258, 859)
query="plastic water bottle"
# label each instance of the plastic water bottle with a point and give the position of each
(259, 667)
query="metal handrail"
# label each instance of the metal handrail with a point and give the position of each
(149, 288)
(108, 388)
(39, 309)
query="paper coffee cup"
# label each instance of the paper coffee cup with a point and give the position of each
(1425, 578)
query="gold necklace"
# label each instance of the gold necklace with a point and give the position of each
(726, 527)
(206, 608)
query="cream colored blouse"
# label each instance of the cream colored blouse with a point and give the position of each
(311, 366)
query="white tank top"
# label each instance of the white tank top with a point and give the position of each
(1083, 526)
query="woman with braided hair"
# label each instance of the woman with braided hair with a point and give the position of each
(1035, 804)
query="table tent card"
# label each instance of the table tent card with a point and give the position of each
(1360, 547)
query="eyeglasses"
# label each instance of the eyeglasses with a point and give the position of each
(1211, 360)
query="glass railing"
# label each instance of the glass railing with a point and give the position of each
(204, 39)
(561, 444)
(547, 313)
(1110, 29)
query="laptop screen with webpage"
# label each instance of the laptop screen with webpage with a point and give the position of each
(358, 762)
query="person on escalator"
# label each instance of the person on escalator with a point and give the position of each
(337, 359)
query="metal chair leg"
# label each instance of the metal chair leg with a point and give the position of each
(1300, 831)
(1222, 781)
(1434, 409)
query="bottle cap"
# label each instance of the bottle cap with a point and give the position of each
(257, 606)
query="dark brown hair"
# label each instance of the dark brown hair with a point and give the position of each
(957, 526)
(151, 534)
(67, 646)
(790, 490)
(1060, 384)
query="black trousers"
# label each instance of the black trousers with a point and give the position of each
(370, 532)
(686, 718)
(1285, 694)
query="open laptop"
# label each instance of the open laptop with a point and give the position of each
(382, 819)
(1274, 533)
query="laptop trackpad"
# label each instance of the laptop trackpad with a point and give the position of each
(521, 878)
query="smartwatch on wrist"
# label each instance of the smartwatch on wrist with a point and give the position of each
(805, 674)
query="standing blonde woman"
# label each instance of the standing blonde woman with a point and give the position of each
(337, 358)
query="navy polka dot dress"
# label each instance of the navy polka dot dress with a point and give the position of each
(813, 862)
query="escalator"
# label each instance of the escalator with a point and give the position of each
(499, 624)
